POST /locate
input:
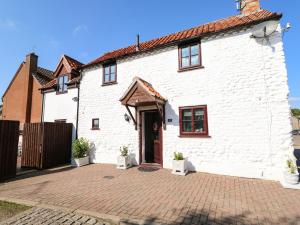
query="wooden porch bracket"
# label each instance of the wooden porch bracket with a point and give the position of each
(133, 119)
(161, 110)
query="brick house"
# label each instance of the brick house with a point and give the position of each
(22, 99)
(214, 92)
(61, 93)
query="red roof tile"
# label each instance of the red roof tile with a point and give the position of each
(74, 64)
(210, 28)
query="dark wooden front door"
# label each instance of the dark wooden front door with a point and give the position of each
(153, 137)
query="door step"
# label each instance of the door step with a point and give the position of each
(151, 165)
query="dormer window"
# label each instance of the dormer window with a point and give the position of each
(62, 84)
(190, 56)
(110, 74)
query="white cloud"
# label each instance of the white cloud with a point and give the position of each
(79, 28)
(8, 24)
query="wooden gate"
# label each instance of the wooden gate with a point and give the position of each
(9, 137)
(46, 145)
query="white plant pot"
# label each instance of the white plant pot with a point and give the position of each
(123, 162)
(291, 178)
(179, 167)
(81, 161)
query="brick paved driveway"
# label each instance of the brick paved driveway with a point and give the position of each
(158, 196)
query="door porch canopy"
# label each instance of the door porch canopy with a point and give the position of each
(141, 93)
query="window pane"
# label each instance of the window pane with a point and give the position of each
(185, 62)
(187, 126)
(66, 80)
(199, 126)
(96, 123)
(61, 80)
(106, 78)
(185, 52)
(199, 120)
(186, 114)
(106, 70)
(113, 69)
(60, 88)
(195, 50)
(195, 60)
(112, 77)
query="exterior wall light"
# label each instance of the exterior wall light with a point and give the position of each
(126, 117)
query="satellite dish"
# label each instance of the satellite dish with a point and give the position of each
(265, 29)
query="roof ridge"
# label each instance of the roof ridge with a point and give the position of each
(75, 60)
(193, 32)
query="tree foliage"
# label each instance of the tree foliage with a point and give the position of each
(296, 112)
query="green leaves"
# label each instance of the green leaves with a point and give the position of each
(80, 148)
(124, 151)
(178, 156)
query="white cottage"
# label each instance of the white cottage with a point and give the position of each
(214, 92)
(60, 95)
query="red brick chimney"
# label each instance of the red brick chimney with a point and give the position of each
(31, 67)
(249, 6)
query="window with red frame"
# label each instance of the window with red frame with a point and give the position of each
(190, 56)
(110, 73)
(193, 121)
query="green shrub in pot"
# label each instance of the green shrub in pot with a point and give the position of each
(80, 148)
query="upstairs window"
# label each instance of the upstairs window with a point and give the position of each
(62, 84)
(110, 74)
(193, 121)
(190, 56)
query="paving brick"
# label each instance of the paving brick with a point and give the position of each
(155, 196)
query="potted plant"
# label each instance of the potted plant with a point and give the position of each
(291, 175)
(80, 148)
(123, 161)
(179, 164)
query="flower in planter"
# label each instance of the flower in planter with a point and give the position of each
(178, 156)
(80, 148)
(292, 168)
(124, 151)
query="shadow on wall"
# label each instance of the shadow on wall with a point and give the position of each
(270, 41)
(210, 217)
(92, 152)
(172, 114)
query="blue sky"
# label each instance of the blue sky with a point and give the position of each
(86, 29)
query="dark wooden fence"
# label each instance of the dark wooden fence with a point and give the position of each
(9, 137)
(46, 145)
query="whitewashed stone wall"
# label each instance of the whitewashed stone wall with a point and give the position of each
(61, 106)
(243, 84)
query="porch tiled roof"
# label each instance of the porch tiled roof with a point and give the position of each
(209, 28)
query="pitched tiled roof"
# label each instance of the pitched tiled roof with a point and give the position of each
(43, 75)
(146, 86)
(74, 64)
(206, 29)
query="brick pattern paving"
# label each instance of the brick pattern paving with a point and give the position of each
(44, 216)
(198, 198)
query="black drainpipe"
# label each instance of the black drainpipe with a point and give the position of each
(77, 116)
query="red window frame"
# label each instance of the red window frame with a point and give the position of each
(205, 122)
(103, 75)
(190, 67)
(93, 124)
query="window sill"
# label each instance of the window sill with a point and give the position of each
(95, 128)
(194, 136)
(190, 68)
(108, 84)
(61, 93)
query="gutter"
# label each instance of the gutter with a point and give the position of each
(77, 114)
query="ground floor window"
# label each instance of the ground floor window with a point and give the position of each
(95, 124)
(193, 120)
